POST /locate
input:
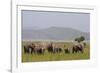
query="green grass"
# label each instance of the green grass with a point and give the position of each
(57, 56)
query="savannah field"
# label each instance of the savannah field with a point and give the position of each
(55, 56)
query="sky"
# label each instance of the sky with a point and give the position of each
(45, 19)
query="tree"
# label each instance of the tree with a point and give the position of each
(80, 39)
(77, 39)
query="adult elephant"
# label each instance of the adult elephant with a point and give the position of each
(29, 49)
(50, 48)
(77, 48)
(53, 48)
(39, 49)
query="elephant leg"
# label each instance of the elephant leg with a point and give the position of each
(73, 50)
(31, 51)
(82, 51)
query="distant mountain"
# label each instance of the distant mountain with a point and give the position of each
(53, 33)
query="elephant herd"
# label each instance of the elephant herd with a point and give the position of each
(40, 49)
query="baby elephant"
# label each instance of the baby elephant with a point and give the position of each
(66, 51)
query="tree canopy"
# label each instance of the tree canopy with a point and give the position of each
(80, 39)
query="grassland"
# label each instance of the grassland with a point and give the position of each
(55, 56)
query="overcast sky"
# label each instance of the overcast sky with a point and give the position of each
(41, 19)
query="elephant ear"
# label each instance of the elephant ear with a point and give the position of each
(81, 45)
